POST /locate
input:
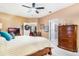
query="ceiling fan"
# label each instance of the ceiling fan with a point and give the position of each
(34, 7)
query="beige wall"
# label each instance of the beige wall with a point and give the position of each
(8, 20)
(69, 15)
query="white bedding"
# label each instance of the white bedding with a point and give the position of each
(23, 45)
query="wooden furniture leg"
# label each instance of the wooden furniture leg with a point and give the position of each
(50, 51)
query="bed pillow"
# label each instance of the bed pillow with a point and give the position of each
(6, 35)
(3, 42)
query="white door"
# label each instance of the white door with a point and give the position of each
(53, 31)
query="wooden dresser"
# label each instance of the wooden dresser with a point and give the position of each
(67, 37)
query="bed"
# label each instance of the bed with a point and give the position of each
(25, 46)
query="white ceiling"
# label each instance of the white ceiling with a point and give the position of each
(17, 9)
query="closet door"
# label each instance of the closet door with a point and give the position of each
(67, 37)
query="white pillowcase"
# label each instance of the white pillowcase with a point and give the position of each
(3, 45)
(2, 41)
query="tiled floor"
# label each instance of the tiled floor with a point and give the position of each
(56, 51)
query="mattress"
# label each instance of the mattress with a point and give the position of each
(24, 45)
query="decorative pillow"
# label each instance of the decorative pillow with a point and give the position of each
(6, 35)
(13, 35)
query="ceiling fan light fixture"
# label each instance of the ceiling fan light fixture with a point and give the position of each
(37, 12)
(40, 8)
(33, 5)
(33, 8)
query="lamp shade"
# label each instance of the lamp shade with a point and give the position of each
(0, 26)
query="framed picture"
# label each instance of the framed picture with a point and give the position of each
(41, 26)
(46, 28)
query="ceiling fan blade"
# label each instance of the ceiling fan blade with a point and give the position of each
(37, 12)
(26, 6)
(40, 8)
(33, 4)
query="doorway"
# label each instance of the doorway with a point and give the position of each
(53, 31)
